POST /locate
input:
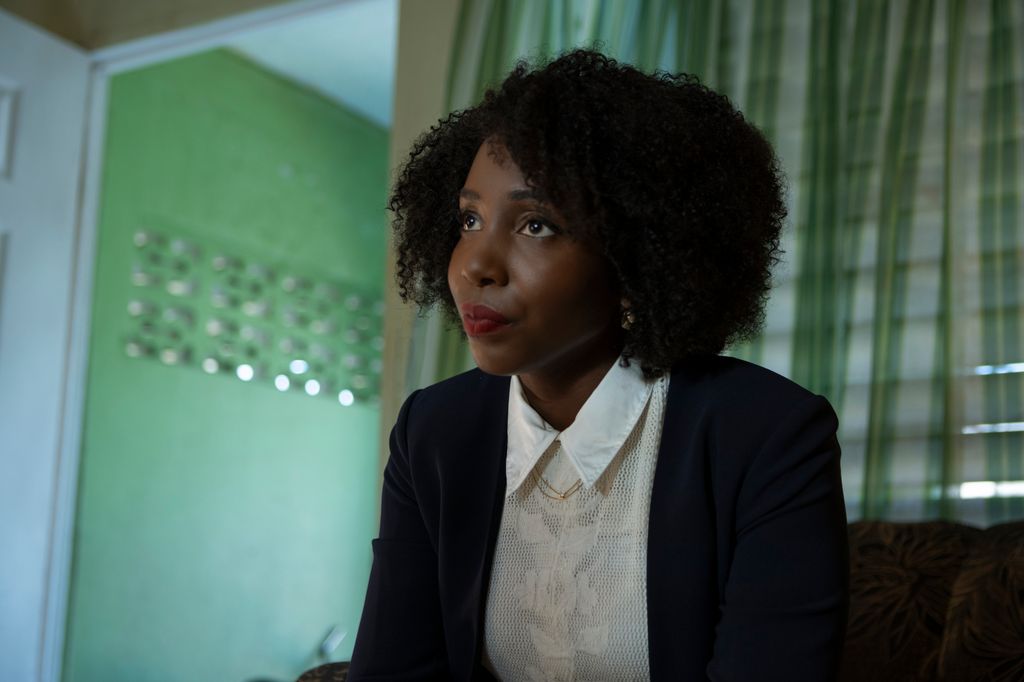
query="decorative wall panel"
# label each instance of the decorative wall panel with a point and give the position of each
(211, 307)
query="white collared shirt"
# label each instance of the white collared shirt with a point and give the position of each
(594, 437)
(567, 598)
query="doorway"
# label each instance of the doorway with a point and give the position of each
(229, 458)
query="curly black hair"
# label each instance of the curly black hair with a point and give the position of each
(683, 195)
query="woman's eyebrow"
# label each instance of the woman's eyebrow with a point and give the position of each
(514, 195)
(523, 195)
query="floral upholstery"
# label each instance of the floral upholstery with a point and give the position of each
(935, 601)
(328, 672)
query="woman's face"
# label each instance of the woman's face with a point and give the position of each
(531, 298)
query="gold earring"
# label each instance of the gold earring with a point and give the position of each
(628, 316)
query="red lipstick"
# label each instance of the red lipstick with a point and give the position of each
(478, 319)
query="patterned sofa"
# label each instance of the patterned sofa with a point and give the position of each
(934, 601)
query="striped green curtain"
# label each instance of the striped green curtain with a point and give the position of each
(898, 124)
(1000, 244)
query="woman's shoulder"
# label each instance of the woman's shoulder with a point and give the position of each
(756, 423)
(738, 393)
(459, 400)
(724, 374)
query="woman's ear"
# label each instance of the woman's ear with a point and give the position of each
(628, 316)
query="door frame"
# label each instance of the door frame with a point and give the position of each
(104, 64)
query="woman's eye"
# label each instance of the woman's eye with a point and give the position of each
(468, 221)
(535, 227)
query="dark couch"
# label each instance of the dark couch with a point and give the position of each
(928, 601)
(935, 601)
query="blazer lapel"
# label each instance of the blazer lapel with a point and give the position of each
(681, 540)
(475, 492)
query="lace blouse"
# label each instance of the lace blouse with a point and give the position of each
(568, 598)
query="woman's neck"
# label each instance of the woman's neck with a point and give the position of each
(558, 393)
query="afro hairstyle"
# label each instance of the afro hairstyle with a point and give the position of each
(683, 196)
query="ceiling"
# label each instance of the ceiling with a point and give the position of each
(347, 53)
(94, 24)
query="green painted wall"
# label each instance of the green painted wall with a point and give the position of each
(223, 526)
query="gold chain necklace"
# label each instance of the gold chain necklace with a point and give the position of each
(561, 495)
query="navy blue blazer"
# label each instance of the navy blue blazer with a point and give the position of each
(747, 553)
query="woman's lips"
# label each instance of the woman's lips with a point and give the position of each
(478, 319)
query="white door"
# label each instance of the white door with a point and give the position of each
(43, 99)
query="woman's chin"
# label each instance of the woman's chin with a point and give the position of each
(492, 363)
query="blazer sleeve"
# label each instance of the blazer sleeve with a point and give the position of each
(400, 634)
(784, 607)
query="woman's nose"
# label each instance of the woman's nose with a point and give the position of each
(483, 258)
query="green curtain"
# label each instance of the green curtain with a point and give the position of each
(999, 205)
(900, 299)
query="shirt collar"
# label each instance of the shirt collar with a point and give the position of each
(591, 441)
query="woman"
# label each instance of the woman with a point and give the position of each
(605, 498)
